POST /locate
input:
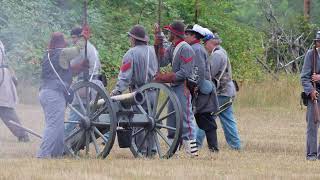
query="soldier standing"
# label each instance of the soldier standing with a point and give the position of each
(180, 55)
(221, 73)
(56, 78)
(139, 66)
(9, 98)
(205, 97)
(94, 66)
(307, 79)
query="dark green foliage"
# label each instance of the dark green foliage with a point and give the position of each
(26, 25)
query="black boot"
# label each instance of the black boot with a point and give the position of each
(212, 140)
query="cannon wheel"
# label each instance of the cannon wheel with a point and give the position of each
(156, 108)
(89, 128)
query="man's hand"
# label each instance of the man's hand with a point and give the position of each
(314, 95)
(315, 77)
(115, 92)
(165, 78)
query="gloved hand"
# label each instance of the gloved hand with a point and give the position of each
(165, 77)
(86, 32)
(115, 92)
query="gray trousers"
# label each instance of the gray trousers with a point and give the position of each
(188, 119)
(312, 148)
(53, 104)
(7, 114)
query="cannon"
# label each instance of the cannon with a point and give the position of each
(138, 120)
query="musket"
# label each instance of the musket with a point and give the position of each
(2, 65)
(159, 33)
(26, 129)
(85, 23)
(314, 70)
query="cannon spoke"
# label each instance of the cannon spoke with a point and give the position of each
(97, 114)
(141, 109)
(73, 134)
(155, 105)
(95, 102)
(100, 123)
(156, 139)
(100, 134)
(87, 142)
(76, 111)
(73, 122)
(166, 116)
(163, 137)
(81, 103)
(144, 139)
(137, 132)
(148, 103)
(79, 143)
(94, 140)
(87, 100)
(166, 127)
(162, 107)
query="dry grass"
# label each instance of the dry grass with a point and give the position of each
(271, 127)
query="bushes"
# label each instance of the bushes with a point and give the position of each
(25, 28)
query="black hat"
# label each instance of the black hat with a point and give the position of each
(177, 28)
(138, 32)
(76, 31)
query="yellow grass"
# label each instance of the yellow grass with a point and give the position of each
(272, 129)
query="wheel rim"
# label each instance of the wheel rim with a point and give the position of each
(93, 120)
(153, 139)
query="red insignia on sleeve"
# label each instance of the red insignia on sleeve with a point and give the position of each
(125, 66)
(186, 60)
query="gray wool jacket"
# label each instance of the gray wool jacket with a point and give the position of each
(306, 72)
(204, 103)
(221, 72)
(182, 63)
(136, 70)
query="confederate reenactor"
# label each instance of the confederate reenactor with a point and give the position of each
(139, 66)
(180, 55)
(220, 69)
(56, 78)
(311, 74)
(9, 98)
(205, 96)
(93, 65)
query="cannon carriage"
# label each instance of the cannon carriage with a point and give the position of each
(138, 119)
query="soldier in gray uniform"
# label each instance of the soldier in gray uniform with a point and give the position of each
(307, 77)
(180, 55)
(94, 66)
(56, 77)
(221, 73)
(9, 98)
(205, 103)
(139, 66)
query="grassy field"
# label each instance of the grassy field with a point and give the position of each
(271, 124)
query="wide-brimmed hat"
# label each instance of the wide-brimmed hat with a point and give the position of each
(317, 36)
(138, 32)
(177, 28)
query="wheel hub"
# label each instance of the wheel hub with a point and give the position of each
(86, 123)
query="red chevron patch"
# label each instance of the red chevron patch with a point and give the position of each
(125, 66)
(186, 60)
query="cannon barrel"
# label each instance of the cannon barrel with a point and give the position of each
(129, 99)
(126, 100)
